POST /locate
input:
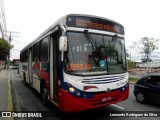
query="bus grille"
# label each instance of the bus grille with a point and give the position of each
(103, 80)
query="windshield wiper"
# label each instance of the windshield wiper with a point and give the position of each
(93, 45)
(114, 38)
(112, 44)
(90, 40)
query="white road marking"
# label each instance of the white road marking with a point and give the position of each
(118, 106)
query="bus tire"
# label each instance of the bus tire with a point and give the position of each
(18, 70)
(24, 78)
(44, 94)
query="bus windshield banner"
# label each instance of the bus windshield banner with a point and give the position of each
(94, 23)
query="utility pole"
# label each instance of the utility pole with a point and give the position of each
(2, 19)
(1, 31)
(10, 34)
(130, 56)
(3, 25)
(148, 51)
(10, 39)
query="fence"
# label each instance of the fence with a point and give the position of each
(137, 73)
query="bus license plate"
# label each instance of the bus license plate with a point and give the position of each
(106, 99)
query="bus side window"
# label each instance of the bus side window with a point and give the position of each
(36, 52)
(44, 50)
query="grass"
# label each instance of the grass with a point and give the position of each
(133, 80)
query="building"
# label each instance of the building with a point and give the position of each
(155, 63)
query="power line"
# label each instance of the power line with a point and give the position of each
(11, 34)
(20, 42)
(6, 31)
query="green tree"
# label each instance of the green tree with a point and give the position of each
(131, 64)
(4, 47)
(4, 50)
(145, 46)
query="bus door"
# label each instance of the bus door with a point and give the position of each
(54, 66)
(30, 66)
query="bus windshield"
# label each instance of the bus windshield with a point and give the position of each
(91, 54)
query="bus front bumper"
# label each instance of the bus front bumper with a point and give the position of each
(70, 103)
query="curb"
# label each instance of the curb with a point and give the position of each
(10, 103)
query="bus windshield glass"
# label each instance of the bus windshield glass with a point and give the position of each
(92, 54)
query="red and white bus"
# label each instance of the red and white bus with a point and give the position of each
(78, 63)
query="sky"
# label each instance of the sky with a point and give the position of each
(140, 18)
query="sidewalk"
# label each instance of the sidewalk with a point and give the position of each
(5, 91)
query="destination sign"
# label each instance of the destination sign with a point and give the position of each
(94, 23)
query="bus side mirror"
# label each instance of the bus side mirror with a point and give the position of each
(63, 43)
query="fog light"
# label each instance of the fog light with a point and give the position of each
(78, 93)
(85, 95)
(71, 89)
(123, 88)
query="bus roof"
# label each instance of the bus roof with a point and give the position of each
(62, 22)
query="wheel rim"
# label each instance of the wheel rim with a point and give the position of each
(140, 97)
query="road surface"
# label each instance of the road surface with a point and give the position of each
(27, 99)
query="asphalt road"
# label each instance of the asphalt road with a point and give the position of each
(27, 99)
(132, 105)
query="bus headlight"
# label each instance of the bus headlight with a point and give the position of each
(71, 89)
(124, 87)
(78, 93)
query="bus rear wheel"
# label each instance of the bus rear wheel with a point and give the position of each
(44, 95)
(24, 78)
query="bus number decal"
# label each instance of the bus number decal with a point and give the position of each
(74, 67)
